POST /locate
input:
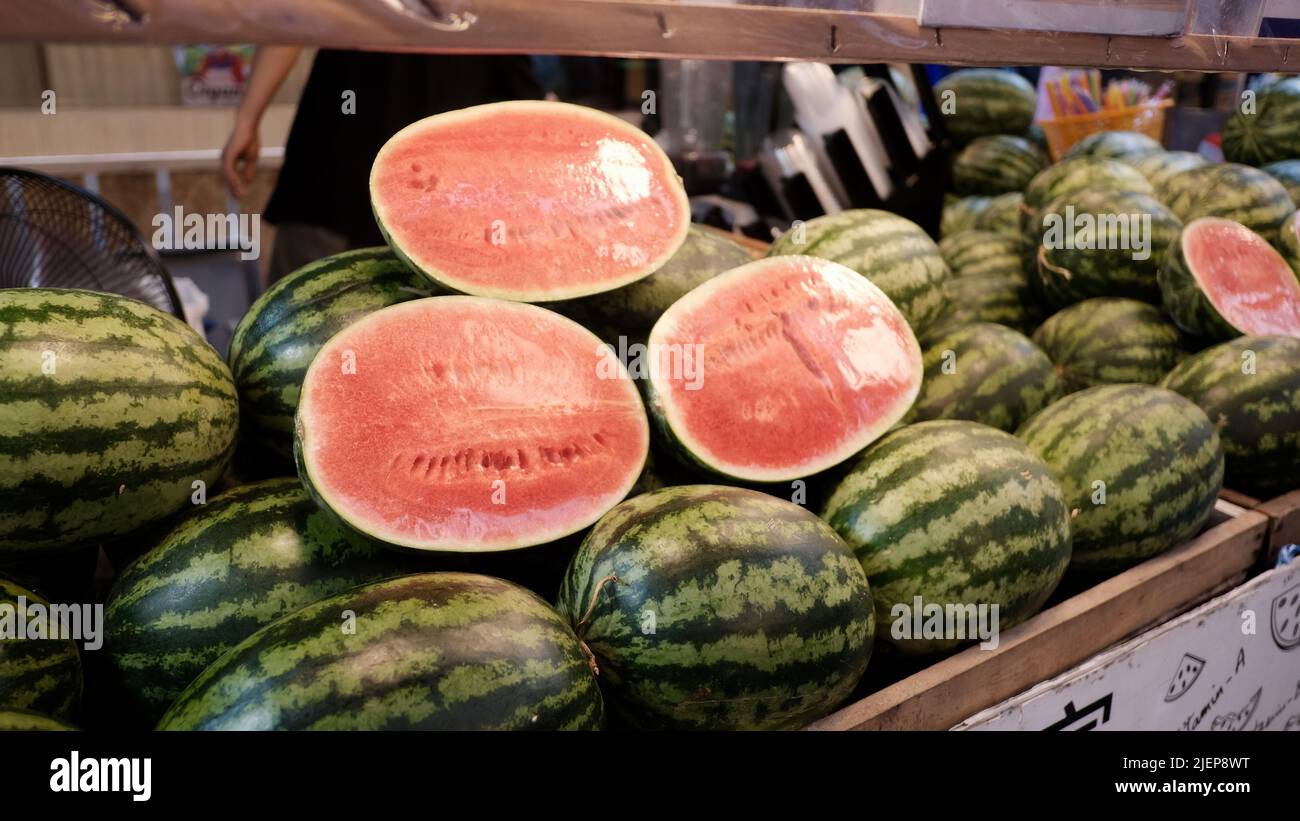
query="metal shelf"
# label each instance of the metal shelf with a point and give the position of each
(637, 28)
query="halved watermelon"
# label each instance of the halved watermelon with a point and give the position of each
(781, 368)
(1221, 280)
(530, 201)
(465, 424)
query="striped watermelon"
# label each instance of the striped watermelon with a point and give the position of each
(998, 164)
(1286, 172)
(981, 253)
(1288, 241)
(42, 674)
(249, 556)
(1162, 167)
(1108, 340)
(1250, 387)
(1006, 299)
(956, 513)
(985, 373)
(1129, 146)
(1236, 192)
(1221, 280)
(631, 311)
(16, 720)
(1140, 465)
(893, 252)
(1266, 132)
(112, 409)
(1001, 215)
(435, 651)
(1069, 178)
(276, 340)
(959, 213)
(977, 102)
(713, 607)
(1119, 240)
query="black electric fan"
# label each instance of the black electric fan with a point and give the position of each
(54, 234)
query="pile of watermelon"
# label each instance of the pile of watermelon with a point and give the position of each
(554, 458)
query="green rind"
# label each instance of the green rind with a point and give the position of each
(1001, 215)
(1004, 300)
(40, 674)
(1250, 388)
(1160, 168)
(112, 409)
(1288, 242)
(1111, 267)
(959, 214)
(1236, 192)
(1069, 178)
(1158, 460)
(977, 102)
(25, 721)
(1129, 146)
(435, 651)
(981, 253)
(985, 373)
(249, 556)
(719, 608)
(893, 252)
(1266, 131)
(1108, 341)
(278, 336)
(998, 164)
(956, 513)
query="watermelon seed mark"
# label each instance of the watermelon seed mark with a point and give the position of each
(805, 356)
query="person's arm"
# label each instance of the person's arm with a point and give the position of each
(271, 64)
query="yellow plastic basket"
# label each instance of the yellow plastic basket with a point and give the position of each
(1063, 132)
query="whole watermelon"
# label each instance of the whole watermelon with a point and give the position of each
(981, 253)
(1005, 299)
(1235, 192)
(1068, 178)
(1162, 167)
(36, 674)
(276, 340)
(1001, 215)
(985, 373)
(1140, 465)
(434, 651)
(719, 608)
(1288, 242)
(959, 213)
(1107, 340)
(247, 557)
(956, 514)
(1129, 146)
(998, 164)
(1250, 388)
(1266, 131)
(113, 412)
(978, 102)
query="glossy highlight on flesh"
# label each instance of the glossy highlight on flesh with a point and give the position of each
(529, 201)
(802, 363)
(469, 424)
(1247, 281)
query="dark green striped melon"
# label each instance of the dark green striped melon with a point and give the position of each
(435, 651)
(112, 411)
(997, 164)
(1109, 340)
(981, 253)
(1236, 192)
(977, 102)
(985, 373)
(1265, 131)
(719, 608)
(1002, 215)
(959, 213)
(1006, 299)
(1286, 172)
(1181, 189)
(956, 513)
(1220, 279)
(42, 674)
(27, 721)
(1140, 465)
(631, 311)
(893, 252)
(249, 556)
(1162, 167)
(1288, 241)
(1129, 146)
(276, 340)
(1250, 389)
(1101, 242)
(1069, 178)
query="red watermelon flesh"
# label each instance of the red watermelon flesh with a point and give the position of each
(529, 201)
(1245, 278)
(804, 362)
(469, 424)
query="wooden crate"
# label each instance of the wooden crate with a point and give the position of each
(1283, 514)
(1057, 639)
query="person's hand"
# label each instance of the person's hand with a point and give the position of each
(239, 157)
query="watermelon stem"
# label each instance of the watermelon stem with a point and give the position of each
(1056, 269)
(581, 627)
